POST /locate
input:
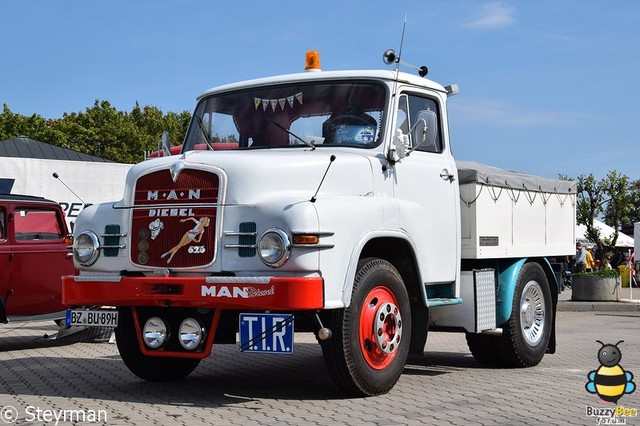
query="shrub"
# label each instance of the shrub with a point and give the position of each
(603, 273)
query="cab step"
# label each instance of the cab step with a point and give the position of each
(443, 301)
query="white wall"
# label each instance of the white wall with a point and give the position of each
(93, 182)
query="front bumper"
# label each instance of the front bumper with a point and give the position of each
(261, 293)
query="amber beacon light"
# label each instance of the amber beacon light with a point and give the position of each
(312, 61)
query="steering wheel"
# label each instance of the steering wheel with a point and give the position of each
(350, 119)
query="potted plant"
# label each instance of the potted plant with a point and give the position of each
(599, 285)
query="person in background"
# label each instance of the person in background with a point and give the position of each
(590, 261)
(614, 260)
(580, 263)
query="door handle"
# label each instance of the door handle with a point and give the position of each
(445, 175)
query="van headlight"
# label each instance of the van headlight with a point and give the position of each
(86, 248)
(274, 247)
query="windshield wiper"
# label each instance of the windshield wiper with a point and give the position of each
(307, 143)
(205, 133)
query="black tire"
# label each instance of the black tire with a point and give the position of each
(527, 332)
(487, 350)
(152, 369)
(360, 360)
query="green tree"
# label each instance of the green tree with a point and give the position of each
(36, 127)
(634, 202)
(589, 205)
(609, 197)
(618, 208)
(100, 130)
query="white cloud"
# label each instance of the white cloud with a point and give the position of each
(492, 15)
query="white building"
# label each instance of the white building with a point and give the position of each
(28, 167)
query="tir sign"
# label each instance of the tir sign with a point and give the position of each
(266, 333)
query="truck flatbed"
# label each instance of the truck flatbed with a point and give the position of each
(511, 214)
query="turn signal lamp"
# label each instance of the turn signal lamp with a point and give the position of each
(312, 61)
(306, 239)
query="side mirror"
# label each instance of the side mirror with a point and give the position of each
(419, 132)
(425, 129)
(166, 145)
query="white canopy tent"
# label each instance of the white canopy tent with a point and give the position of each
(624, 241)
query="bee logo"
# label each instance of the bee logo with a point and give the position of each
(610, 381)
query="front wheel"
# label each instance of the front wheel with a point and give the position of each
(370, 345)
(153, 369)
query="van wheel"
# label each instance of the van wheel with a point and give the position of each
(370, 345)
(153, 369)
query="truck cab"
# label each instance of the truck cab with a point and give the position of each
(325, 200)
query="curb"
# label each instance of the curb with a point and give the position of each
(624, 305)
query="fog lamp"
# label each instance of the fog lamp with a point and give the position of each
(191, 334)
(154, 332)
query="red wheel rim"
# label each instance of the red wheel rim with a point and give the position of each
(380, 328)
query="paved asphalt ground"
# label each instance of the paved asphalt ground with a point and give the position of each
(43, 379)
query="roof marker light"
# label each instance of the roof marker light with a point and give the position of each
(312, 61)
(452, 89)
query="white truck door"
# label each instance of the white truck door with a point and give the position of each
(427, 190)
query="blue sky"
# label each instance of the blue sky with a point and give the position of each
(546, 87)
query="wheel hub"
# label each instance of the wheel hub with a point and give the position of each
(380, 328)
(532, 313)
(388, 327)
(527, 314)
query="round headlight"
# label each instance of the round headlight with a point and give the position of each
(191, 334)
(86, 248)
(154, 332)
(274, 247)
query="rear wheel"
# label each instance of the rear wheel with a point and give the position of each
(369, 349)
(486, 349)
(529, 328)
(527, 332)
(153, 369)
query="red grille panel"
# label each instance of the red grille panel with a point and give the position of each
(170, 231)
(191, 186)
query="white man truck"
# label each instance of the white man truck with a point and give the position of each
(328, 202)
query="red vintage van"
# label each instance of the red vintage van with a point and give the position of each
(34, 255)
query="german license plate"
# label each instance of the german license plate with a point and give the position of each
(92, 318)
(266, 333)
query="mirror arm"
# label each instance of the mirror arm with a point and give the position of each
(166, 145)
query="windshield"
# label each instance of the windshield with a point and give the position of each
(313, 114)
